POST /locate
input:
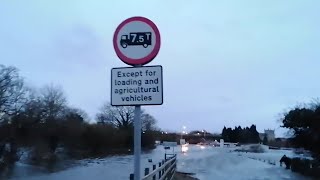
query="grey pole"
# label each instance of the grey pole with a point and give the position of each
(137, 142)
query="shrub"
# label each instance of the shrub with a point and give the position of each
(306, 167)
(148, 139)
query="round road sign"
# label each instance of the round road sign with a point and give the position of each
(137, 41)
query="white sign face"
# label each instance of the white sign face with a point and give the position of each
(136, 41)
(136, 86)
(182, 141)
(169, 144)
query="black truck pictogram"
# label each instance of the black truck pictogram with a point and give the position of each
(136, 39)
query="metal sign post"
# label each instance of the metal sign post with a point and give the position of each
(137, 141)
(137, 42)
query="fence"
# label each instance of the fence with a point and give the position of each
(165, 170)
(269, 161)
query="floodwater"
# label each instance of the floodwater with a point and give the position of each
(219, 163)
(205, 161)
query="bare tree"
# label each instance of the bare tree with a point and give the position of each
(31, 111)
(148, 122)
(53, 103)
(123, 117)
(12, 92)
(41, 106)
(118, 116)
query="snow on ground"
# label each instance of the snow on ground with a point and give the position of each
(207, 162)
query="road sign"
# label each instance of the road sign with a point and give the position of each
(137, 41)
(136, 86)
(169, 144)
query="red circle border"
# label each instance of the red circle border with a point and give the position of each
(149, 57)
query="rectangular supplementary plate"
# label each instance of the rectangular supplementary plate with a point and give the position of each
(132, 86)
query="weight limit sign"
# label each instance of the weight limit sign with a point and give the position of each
(137, 41)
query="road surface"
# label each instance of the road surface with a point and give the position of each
(206, 162)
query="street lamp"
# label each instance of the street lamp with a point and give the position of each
(183, 131)
(204, 133)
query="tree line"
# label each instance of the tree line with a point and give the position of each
(42, 121)
(241, 135)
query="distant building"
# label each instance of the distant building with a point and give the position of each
(269, 133)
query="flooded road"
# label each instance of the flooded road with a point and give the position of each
(206, 162)
(219, 163)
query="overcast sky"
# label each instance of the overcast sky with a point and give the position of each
(225, 63)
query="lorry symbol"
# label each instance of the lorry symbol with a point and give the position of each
(136, 39)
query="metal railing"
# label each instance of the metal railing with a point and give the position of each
(165, 170)
(269, 161)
